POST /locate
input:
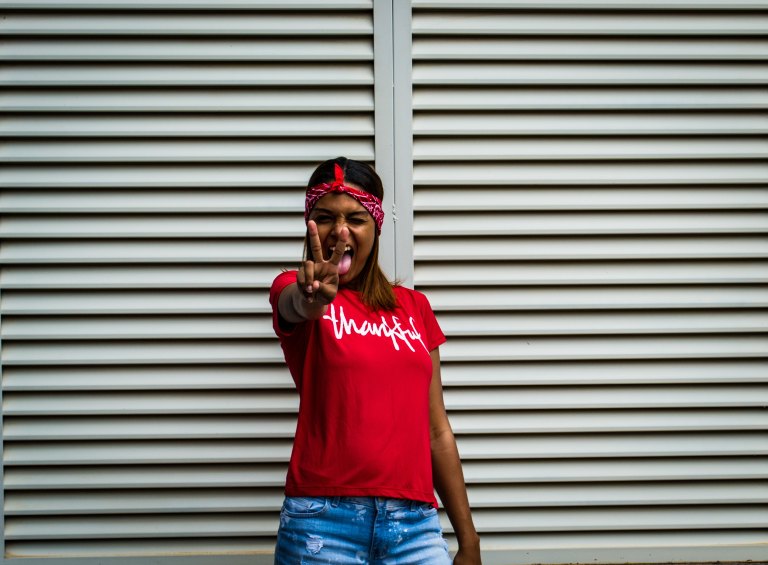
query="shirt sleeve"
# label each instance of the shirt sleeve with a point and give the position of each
(282, 281)
(293, 337)
(435, 336)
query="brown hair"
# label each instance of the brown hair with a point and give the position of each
(376, 291)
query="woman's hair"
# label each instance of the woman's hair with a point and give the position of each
(375, 290)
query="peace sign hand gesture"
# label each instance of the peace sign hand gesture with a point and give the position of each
(318, 280)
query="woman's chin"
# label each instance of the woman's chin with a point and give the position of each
(347, 278)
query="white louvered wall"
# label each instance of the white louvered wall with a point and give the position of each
(590, 192)
(153, 158)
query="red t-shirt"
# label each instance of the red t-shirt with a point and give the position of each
(363, 381)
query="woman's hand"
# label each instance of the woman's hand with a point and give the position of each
(318, 280)
(467, 556)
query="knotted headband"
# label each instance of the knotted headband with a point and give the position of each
(369, 201)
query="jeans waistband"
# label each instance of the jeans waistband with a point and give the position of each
(376, 502)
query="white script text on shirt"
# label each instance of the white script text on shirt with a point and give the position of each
(395, 332)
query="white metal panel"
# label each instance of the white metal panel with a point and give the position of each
(605, 371)
(180, 50)
(633, 5)
(539, 148)
(190, 5)
(528, 223)
(563, 123)
(138, 476)
(589, 223)
(577, 97)
(224, 99)
(158, 377)
(155, 452)
(154, 201)
(195, 125)
(157, 154)
(607, 471)
(525, 48)
(564, 24)
(629, 198)
(73, 26)
(188, 75)
(162, 275)
(269, 151)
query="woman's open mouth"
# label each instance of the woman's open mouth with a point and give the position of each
(346, 260)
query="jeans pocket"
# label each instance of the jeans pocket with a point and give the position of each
(427, 509)
(304, 506)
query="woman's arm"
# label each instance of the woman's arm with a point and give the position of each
(447, 475)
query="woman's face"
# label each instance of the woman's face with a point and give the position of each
(335, 211)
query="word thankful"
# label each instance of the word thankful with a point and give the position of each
(342, 326)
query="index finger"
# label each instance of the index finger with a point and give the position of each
(314, 241)
(338, 250)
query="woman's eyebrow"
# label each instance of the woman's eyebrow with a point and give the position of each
(327, 211)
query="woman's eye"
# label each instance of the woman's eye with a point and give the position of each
(322, 219)
(357, 221)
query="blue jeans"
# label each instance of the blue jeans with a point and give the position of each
(359, 529)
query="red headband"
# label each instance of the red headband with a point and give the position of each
(369, 201)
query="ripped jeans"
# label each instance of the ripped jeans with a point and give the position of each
(359, 529)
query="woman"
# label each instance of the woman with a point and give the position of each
(372, 438)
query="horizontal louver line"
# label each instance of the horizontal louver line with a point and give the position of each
(169, 101)
(574, 248)
(238, 425)
(518, 398)
(291, 174)
(250, 24)
(596, 98)
(575, 73)
(628, 7)
(513, 373)
(597, 172)
(196, 126)
(491, 124)
(188, 74)
(611, 546)
(577, 223)
(179, 501)
(522, 520)
(586, 272)
(148, 378)
(39, 328)
(445, 301)
(552, 373)
(77, 49)
(267, 150)
(543, 48)
(475, 472)
(180, 476)
(426, 149)
(504, 348)
(192, 6)
(239, 203)
(583, 22)
(507, 446)
(551, 148)
(682, 204)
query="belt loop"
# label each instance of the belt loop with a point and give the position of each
(414, 505)
(335, 501)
